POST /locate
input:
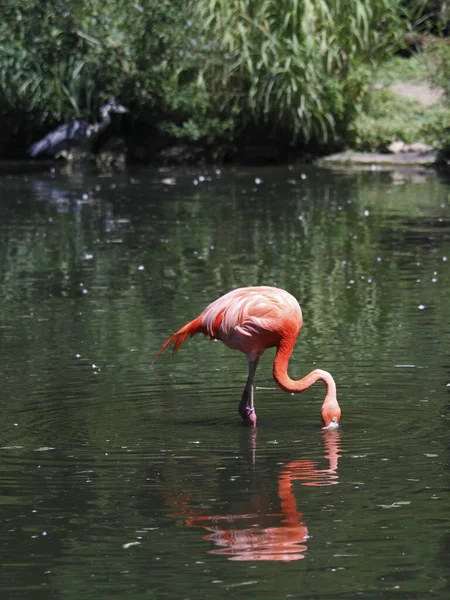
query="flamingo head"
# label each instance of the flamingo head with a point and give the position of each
(331, 415)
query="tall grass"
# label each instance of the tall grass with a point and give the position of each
(298, 67)
(293, 70)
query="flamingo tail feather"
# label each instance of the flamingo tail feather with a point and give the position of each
(190, 329)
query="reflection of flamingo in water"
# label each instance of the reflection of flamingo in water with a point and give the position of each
(242, 537)
(251, 320)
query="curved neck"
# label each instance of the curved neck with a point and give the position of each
(281, 376)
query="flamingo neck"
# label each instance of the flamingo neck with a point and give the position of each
(281, 376)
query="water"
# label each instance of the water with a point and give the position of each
(121, 479)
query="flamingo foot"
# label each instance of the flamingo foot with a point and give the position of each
(250, 417)
(247, 412)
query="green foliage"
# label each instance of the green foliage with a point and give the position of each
(293, 72)
(60, 60)
(297, 69)
(440, 56)
(429, 15)
(387, 117)
(414, 68)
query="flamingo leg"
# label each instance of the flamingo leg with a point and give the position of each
(247, 406)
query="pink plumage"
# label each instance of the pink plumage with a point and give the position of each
(251, 320)
(246, 319)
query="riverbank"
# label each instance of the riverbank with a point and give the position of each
(405, 122)
(217, 82)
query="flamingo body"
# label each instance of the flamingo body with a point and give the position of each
(250, 320)
(253, 319)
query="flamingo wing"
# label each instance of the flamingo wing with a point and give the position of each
(252, 319)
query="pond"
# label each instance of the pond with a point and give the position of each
(128, 480)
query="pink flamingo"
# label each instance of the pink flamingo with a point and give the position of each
(251, 320)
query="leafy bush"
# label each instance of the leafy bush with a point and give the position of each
(439, 53)
(62, 59)
(294, 72)
(387, 117)
(429, 16)
(297, 69)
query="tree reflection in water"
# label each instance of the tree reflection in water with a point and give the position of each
(266, 535)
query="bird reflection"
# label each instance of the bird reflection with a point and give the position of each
(266, 535)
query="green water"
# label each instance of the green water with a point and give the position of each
(120, 479)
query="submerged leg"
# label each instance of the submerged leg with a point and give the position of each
(246, 406)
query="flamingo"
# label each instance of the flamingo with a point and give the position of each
(252, 319)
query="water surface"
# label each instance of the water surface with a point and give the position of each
(121, 479)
